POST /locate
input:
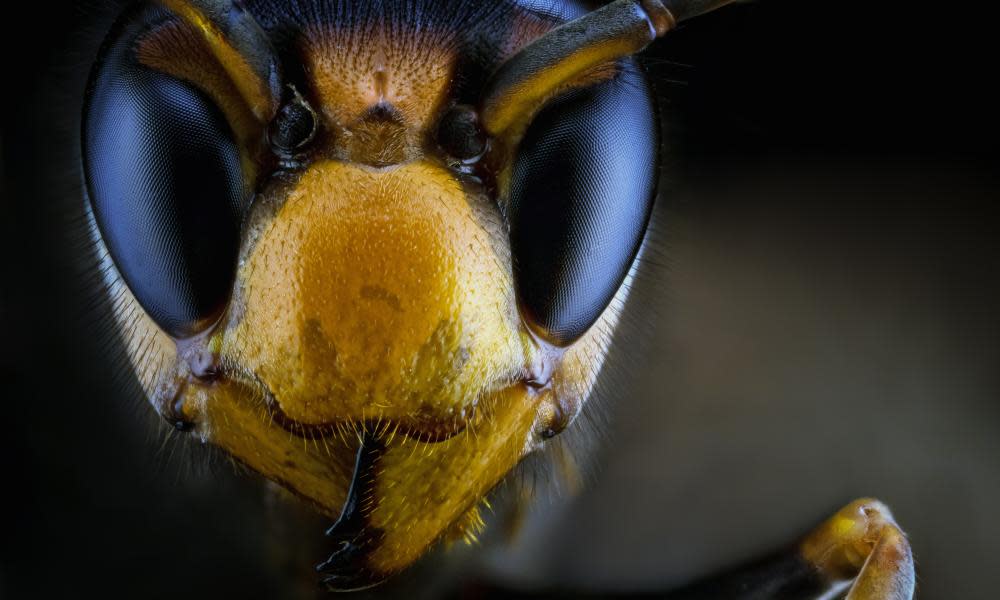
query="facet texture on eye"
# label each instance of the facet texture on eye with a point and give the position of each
(165, 184)
(582, 190)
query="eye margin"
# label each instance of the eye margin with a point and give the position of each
(557, 245)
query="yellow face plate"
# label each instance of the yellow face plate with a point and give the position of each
(377, 295)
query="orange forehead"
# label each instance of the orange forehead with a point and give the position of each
(354, 71)
(412, 68)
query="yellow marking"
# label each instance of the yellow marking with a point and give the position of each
(424, 496)
(541, 69)
(229, 417)
(254, 91)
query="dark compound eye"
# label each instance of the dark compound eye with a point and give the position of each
(293, 127)
(460, 134)
(582, 190)
(165, 184)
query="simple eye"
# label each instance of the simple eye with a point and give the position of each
(582, 190)
(460, 134)
(165, 182)
(293, 127)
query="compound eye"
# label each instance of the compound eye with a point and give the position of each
(166, 186)
(460, 135)
(582, 190)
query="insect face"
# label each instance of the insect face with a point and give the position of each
(331, 226)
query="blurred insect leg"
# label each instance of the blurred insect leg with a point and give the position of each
(860, 550)
(863, 542)
(785, 575)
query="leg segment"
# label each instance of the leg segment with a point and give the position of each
(863, 542)
(860, 550)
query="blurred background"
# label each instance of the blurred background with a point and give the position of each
(816, 321)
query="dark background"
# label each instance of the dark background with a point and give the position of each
(818, 322)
